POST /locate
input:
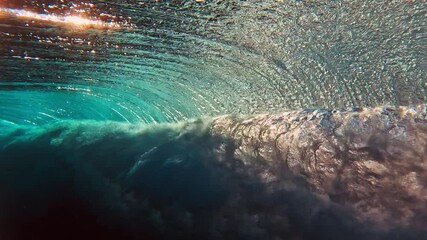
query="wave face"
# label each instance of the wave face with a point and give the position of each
(163, 61)
(96, 97)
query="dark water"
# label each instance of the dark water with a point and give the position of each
(82, 155)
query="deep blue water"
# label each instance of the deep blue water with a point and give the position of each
(96, 136)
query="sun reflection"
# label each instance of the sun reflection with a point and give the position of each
(69, 20)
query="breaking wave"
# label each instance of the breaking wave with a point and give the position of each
(97, 138)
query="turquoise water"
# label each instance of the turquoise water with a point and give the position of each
(170, 61)
(83, 106)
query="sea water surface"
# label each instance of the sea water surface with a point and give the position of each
(89, 90)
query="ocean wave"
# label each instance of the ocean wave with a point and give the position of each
(218, 178)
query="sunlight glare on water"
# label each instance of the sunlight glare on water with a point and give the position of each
(73, 21)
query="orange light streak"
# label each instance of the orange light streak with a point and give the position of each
(69, 20)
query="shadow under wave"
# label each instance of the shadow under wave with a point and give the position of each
(79, 180)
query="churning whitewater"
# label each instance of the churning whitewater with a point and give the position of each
(308, 174)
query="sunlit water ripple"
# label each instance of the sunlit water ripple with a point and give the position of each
(163, 62)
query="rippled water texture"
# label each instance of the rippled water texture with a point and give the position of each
(93, 96)
(162, 61)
